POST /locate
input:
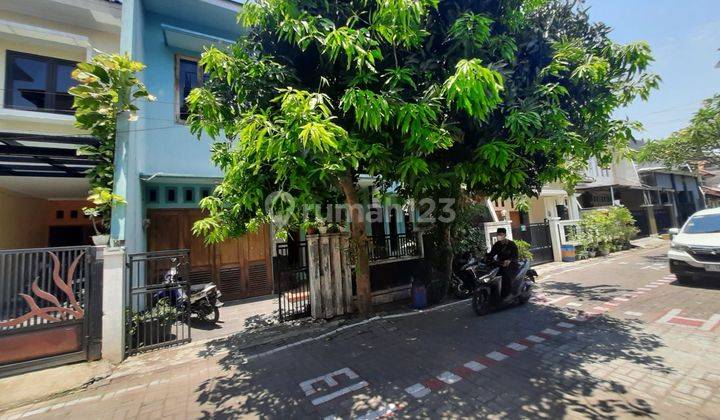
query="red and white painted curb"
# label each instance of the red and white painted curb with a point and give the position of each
(480, 363)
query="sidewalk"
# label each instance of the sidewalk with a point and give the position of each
(650, 242)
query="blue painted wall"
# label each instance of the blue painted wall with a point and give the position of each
(155, 143)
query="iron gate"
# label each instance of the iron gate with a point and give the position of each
(538, 236)
(50, 307)
(157, 310)
(292, 280)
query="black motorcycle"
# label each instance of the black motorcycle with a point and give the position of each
(204, 300)
(464, 276)
(487, 294)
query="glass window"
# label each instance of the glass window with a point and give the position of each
(170, 195)
(38, 83)
(188, 78)
(189, 195)
(706, 223)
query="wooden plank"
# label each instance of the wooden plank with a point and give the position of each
(346, 273)
(326, 277)
(337, 275)
(313, 248)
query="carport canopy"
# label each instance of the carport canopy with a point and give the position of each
(39, 155)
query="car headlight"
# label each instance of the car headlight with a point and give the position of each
(679, 247)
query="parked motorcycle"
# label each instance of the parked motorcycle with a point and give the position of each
(464, 276)
(204, 299)
(486, 295)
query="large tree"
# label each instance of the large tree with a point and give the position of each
(497, 96)
(696, 144)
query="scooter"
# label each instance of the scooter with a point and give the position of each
(204, 299)
(488, 287)
(464, 277)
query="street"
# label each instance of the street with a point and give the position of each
(614, 337)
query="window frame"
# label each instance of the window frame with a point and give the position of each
(51, 80)
(178, 98)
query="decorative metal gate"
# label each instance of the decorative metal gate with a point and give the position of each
(50, 307)
(538, 236)
(158, 311)
(292, 280)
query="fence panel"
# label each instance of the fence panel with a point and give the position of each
(50, 307)
(292, 281)
(158, 308)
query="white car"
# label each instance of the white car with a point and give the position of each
(695, 249)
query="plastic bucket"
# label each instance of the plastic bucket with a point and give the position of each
(568, 253)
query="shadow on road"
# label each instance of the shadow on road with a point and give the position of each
(570, 374)
(596, 292)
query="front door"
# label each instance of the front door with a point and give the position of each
(239, 266)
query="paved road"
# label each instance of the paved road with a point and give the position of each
(612, 338)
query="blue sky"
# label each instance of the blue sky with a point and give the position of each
(684, 36)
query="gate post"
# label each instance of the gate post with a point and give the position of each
(554, 223)
(94, 303)
(113, 304)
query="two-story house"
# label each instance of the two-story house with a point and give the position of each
(163, 171)
(658, 198)
(42, 185)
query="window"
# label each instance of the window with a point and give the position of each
(189, 195)
(703, 223)
(170, 195)
(188, 75)
(37, 83)
(152, 195)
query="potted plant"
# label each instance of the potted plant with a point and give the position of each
(604, 248)
(524, 250)
(153, 325)
(309, 226)
(104, 200)
(322, 226)
(333, 228)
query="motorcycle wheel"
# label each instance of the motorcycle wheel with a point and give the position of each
(216, 315)
(481, 301)
(526, 294)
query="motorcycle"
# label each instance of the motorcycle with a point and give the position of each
(204, 301)
(487, 293)
(462, 281)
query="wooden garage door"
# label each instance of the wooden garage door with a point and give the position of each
(240, 266)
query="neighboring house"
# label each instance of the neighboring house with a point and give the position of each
(657, 197)
(711, 185)
(532, 226)
(164, 171)
(42, 184)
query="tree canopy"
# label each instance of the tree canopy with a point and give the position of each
(696, 144)
(500, 96)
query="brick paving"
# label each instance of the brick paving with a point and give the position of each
(608, 355)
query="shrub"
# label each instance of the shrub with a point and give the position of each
(606, 229)
(524, 250)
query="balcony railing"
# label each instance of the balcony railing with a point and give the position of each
(390, 247)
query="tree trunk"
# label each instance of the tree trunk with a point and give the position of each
(359, 240)
(448, 245)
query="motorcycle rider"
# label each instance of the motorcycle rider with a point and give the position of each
(506, 252)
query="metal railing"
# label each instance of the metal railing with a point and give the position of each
(389, 247)
(50, 307)
(157, 309)
(292, 280)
